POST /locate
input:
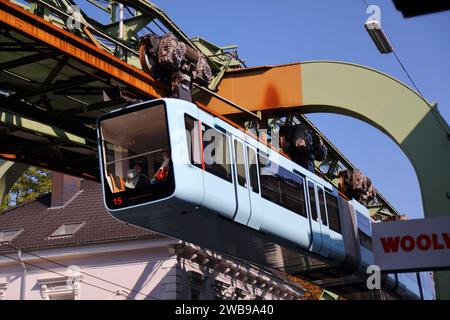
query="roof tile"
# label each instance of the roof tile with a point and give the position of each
(39, 221)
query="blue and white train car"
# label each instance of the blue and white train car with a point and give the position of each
(172, 167)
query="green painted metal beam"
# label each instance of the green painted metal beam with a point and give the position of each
(131, 26)
(8, 119)
(33, 143)
(145, 13)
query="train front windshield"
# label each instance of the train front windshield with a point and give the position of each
(137, 167)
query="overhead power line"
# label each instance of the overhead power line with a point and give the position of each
(407, 73)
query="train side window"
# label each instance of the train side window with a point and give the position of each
(323, 213)
(193, 140)
(240, 163)
(253, 169)
(270, 181)
(280, 186)
(216, 153)
(293, 193)
(365, 240)
(312, 200)
(334, 219)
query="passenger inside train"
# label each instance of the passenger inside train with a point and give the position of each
(135, 177)
(163, 171)
(138, 166)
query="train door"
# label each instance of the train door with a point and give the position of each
(314, 217)
(241, 184)
(255, 195)
(324, 229)
(217, 167)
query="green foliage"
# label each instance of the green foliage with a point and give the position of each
(33, 183)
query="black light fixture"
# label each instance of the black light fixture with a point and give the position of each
(379, 38)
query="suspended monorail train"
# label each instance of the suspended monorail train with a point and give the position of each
(170, 166)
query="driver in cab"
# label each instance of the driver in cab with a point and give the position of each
(135, 178)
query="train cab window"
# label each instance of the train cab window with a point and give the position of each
(240, 163)
(334, 219)
(136, 158)
(312, 201)
(193, 140)
(323, 213)
(216, 153)
(365, 240)
(270, 180)
(253, 169)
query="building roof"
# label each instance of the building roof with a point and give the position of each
(39, 221)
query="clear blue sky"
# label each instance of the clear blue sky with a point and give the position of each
(277, 32)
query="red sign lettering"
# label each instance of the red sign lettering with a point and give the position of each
(390, 244)
(410, 246)
(446, 237)
(436, 244)
(423, 242)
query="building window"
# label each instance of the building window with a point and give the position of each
(3, 287)
(63, 296)
(240, 294)
(196, 285)
(68, 229)
(62, 288)
(221, 290)
(9, 235)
